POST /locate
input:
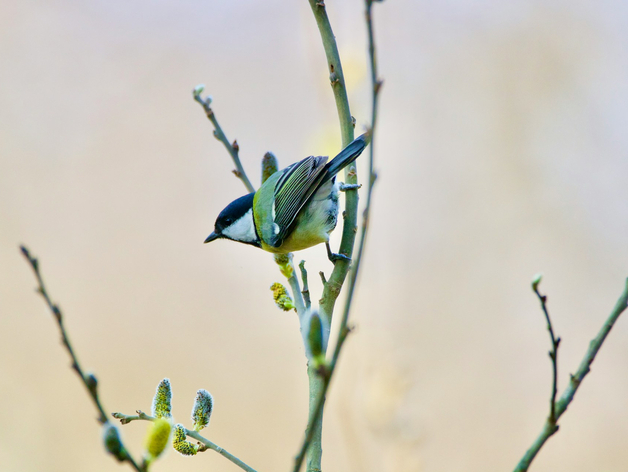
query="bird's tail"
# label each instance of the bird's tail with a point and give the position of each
(347, 155)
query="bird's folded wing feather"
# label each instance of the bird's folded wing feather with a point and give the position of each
(292, 192)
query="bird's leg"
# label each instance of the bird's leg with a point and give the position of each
(344, 187)
(336, 257)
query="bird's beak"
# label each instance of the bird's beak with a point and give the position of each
(212, 237)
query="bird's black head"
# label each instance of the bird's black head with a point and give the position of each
(236, 222)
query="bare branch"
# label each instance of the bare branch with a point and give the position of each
(567, 397)
(232, 148)
(553, 354)
(89, 380)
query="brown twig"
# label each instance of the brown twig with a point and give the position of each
(89, 380)
(232, 148)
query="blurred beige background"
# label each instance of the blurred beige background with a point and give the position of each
(501, 152)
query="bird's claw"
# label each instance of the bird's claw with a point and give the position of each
(333, 257)
(344, 187)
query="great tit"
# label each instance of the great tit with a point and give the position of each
(295, 208)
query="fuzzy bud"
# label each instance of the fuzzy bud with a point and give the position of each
(536, 281)
(315, 337)
(284, 261)
(270, 165)
(199, 89)
(92, 383)
(202, 410)
(180, 442)
(162, 400)
(282, 297)
(112, 441)
(157, 438)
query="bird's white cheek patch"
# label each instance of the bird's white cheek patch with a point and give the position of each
(243, 229)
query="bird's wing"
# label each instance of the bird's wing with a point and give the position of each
(292, 191)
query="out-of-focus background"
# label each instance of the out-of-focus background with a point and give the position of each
(501, 152)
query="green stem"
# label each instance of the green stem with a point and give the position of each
(317, 402)
(227, 455)
(574, 383)
(331, 289)
(306, 288)
(293, 280)
(315, 449)
(333, 285)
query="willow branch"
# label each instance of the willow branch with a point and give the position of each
(232, 148)
(574, 382)
(317, 411)
(89, 380)
(335, 282)
(207, 444)
(331, 289)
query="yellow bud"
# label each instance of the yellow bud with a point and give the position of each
(284, 261)
(157, 438)
(281, 297)
(162, 400)
(180, 442)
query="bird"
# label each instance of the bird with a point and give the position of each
(294, 209)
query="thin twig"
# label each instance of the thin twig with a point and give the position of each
(232, 148)
(306, 289)
(553, 354)
(575, 381)
(125, 419)
(89, 380)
